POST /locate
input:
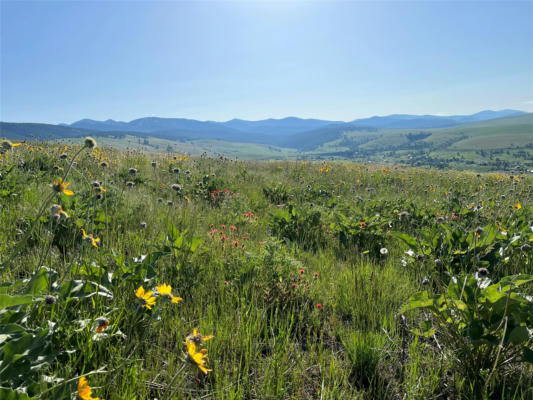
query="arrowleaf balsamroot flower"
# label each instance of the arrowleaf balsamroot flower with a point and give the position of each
(146, 297)
(166, 290)
(94, 241)
(197, 357)
(84, 390)
(197, 338)
(61, 187)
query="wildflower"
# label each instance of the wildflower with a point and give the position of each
(425, 282)
(197, 338)
(8, 145)
(383, 251)
(130, 184)
(525, 247)
(103, 323)
(316, 274)
(176, 187)
(146, 297)
(479, 231)
(302, 271)
(143, 224)
(483, 272)
(197, 357)
(103, 164)
(517, 206)
(94, 241)
(438, 262)
(56, 167)
(84, 390)
(319, 306)
(95, 184)
(50, 299)
(89, 142)
(223, 226)
(233, 227)
(236, 243)
(293, 285)
(170, 203)
(61, 187)
(57, 212)
(63, 156)
(176, 170)
(403, 216)
(132, 171)
(166, 290)
(362, 224)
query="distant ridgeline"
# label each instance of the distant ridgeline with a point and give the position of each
(504, 135)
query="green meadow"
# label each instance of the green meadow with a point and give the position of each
(134, 271)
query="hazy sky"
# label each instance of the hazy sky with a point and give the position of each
(63, 61)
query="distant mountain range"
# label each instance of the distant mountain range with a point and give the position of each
(288, 132)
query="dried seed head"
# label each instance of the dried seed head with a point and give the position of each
(50, 299)
(89, 142)
(6, 145)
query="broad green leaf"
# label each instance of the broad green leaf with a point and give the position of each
(10, 301)
(519, 335)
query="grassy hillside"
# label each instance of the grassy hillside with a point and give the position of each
(162, 276)
(498, 144)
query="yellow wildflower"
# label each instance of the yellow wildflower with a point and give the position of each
(61, 187)
(198, 357)
(517, 206)
(198, 338)
(84, 390)
(166, 290)
(94, 241)
(148, 299)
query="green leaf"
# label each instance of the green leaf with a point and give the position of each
(419, 300)
(407, 239)
(10, 301)
(10, 394)
(39, 282)
(519, 335)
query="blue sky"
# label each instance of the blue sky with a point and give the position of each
(63, 61)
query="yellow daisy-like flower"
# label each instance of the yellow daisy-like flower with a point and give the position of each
(166, 290)
(198, 357)
(517, 206)
(61, 187)
(84, 390)
(198, 338)
(94, 241)
(146, 297)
